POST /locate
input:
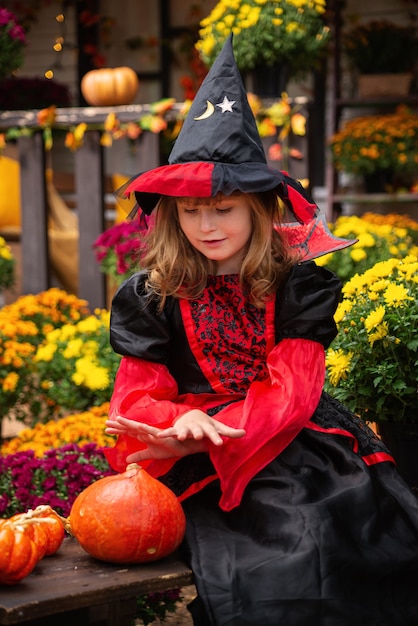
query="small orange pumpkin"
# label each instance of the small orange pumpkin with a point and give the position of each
(18, 553)
(44, 526)
(54, 525)
(110, 86)
(35, 531)
(128, 518)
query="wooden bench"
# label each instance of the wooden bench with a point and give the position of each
(73, 589)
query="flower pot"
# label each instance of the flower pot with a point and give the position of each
(378, 85)
(268, 82)
(387, 181)
(402, 440)
(378, 182)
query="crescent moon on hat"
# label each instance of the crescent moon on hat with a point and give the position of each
(209, 111)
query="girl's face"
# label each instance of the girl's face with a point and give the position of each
(220, 231)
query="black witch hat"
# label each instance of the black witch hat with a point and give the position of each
(219, 150)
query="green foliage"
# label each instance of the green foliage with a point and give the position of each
(7, 266)
(157, 605)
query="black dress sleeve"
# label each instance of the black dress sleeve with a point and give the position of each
(137, 328)
(306, 303)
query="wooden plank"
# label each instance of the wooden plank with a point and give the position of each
(71, 581)
(34, 209)
(90, 203)
(148, 154)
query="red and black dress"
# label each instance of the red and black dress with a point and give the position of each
(304, 521)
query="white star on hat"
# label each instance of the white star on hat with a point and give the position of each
(226, 105)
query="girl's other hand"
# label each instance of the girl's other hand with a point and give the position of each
(196, 424)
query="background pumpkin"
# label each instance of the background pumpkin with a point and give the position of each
(128, 518)
(110, 86)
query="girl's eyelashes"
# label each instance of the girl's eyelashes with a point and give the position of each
(192, 210)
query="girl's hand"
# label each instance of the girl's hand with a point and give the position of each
(197, 425)
(157, 448)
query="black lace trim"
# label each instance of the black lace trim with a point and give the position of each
(191, 469)
(330, 413)
(187, 471)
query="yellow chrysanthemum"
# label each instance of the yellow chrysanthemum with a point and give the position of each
(343, 309)
(338, 365)
(73, 349)
(396, 295)
(9, 383)
(90, 375)
(374, 318)
(45, 352)
(382, 330)
(358, 254)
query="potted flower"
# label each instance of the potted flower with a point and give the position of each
(24, 92)
(267, 33)
(384, 144)
(12, 43)
(372, 363)
(381, 47)
(118, 250)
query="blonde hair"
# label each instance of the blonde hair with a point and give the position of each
(177, 269)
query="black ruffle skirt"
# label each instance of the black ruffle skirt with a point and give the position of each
(319, 539)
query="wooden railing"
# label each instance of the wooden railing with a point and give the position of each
(89, 190)
(89, 193)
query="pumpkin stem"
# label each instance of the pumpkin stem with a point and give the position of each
(32, 516)
(67, 525)
(132, 466)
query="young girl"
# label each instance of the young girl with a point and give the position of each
(295, 512)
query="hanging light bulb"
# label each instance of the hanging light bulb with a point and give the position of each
(58, 45)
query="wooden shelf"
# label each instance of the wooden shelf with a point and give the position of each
(376, 102)
(375, 198)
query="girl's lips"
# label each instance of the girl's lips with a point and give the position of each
(209, 242)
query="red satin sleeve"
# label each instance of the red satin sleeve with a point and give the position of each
(145, 392)
(273, 413)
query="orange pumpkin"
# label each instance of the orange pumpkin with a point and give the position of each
(54, 526)
(18, 554)
(45, 527)
(128, 518)
(110, 86)
(36, 532)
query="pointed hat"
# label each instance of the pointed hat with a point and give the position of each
(218, 150)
